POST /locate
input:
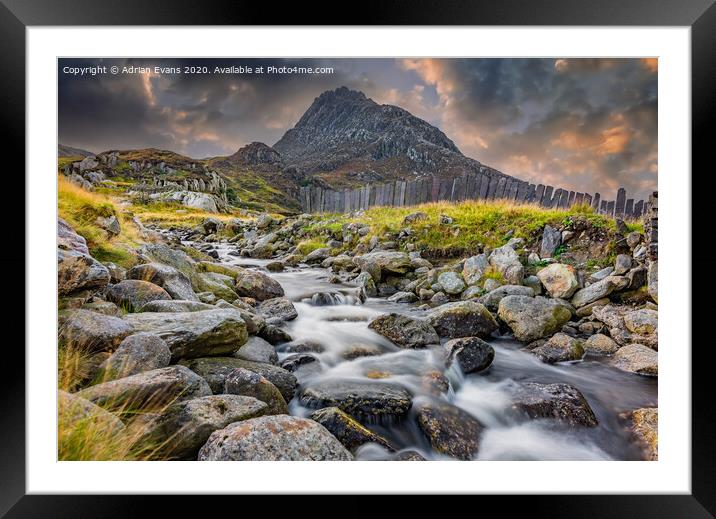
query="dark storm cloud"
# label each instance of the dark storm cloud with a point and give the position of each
(585, 124)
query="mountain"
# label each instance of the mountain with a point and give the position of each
(345, 137)
(69, 151)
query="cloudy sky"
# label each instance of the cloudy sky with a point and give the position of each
(584, 124)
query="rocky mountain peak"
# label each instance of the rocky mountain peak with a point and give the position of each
(254, 154)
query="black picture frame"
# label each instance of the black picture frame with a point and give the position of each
(700, 15)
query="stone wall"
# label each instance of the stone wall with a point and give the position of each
(471, 186)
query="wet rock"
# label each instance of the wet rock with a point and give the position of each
(451, 282)
(254, 284)
(295, 361)
(560, 402)
(471, 353)
(277, 310)
(241, 381)
(403, 297)
(132, 294)
(551, 239)
(74, 411)
(194, 334)
(148, 390)
(356, 351)
(135, 354)
(644, 427)
(275, 266)
(507, 262)
(305, 347)
(257, 350)
(177, 285)
(347, 430)
(92, 331)
(405, 331)
(408, 455)
(183, 427)
(274, 438)
(462, 319)
(450, 430)
(360, 399)
(559, 348)
(215, 370)
(221, 285)
(636, 358)
(77, 271)
(492, 298)
(600, 344)
(273, 334)
(175, 305)
(599, 290)
(559, 280)
(531, 318)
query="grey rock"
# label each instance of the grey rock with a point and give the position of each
(194, 334)
(474, 268)
(451, 282)
(177, 285)
(637, 358)
(135, 354)
(559, 348)
(559, 280)
(148, 390)
(472, 354)
(74, 411)
(462, 319)
(403, 297)
(405, 331)
(551, 239)
(560, 402)
(297, 360)
(491, 284)
(251, 283)
(77, 271)
(598, 290)
(534, 283)
(450, 430)
(532, 318)
(241, 381)
(274, 438)
(132, 294)
(257, 350)
(365, 280)
(347, 430)
(622, 264)
(175, 305)
(92, 331)
(69, 240)
(277, 310)
(653, 280)
(357, 398)
(506, 261)
(439, 298)
(318, 255)
(383, 263)
(492, 298)
(600, 344)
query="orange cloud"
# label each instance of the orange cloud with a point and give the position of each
(651, 64)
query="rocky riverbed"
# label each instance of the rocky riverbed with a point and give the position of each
(241, 348)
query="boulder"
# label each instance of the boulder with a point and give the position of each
(358, 398)
(148, 390)
(403, 297)
(415, 217)
(559, 280)
(450, 430)
(183, 427)
(492, 298)
(241, 381)
(474, 268)
(462, 319)
(452, 282)
(382, 263)
(102, 307)
(132, 294)
(587, 310)
(600, 344)
(408, 455)
(221, 285)
(534, 283)
(273, 334)
(194, 334)
(135, 354)
(251, 283)
(177, 285)
(532, 318)
(644, 427)
(75, 412)
(77, 271)
(274, 438)
(600, 274)
(294, 362)
(643, 321)
(257, 350)
(365, 280)
(109, 224)
(636, 358)
(277, 310)
(551, 239)
(318, 255)
(92, 331)
(178, 259)
(175, 305)
(471, 353)
(507, 262)
(404, 331)
(560, 402)
(215, 370)
(559, 348)
(69, 240)
(347, 430)
(622, 264)
(599, 290)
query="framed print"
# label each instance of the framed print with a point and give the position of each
(415, 254)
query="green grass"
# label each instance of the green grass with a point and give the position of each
(480, 223)
(307, 246)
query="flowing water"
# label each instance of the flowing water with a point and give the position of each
(330, 316)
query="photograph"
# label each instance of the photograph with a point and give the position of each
(385, 258)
